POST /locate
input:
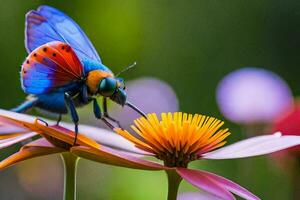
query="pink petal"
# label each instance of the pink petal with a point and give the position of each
(111, 156)
(231, 186)
(202, 181)
(254, 146)
(8, 142)
(42, 143)
(196, 196)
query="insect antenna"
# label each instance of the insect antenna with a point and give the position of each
(126, 69)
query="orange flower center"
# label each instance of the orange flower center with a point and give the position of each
(177, 138)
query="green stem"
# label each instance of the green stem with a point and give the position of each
(70, 168)
(173, 184)
(295, 180)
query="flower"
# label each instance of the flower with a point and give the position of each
(179, 138)
(252, 95)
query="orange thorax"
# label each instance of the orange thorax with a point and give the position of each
(93, 79)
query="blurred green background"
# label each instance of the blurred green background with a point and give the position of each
(189, 44)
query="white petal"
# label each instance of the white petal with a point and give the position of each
(18, 116)
(254, 146)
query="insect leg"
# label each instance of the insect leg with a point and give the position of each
(41, 120)
(59, 119)
(74, 114)
(84, 94)
(98, 114)
(105, 112)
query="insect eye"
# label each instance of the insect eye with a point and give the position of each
(107, 87)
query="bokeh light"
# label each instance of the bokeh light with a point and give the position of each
(151, 95)
(289, 123)
(253, 95)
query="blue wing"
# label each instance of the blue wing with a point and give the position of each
(49, 24)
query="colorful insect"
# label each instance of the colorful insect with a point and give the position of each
(63, 70)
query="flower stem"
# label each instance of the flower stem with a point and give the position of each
(70, 168)
(295, 179)
(173, 184)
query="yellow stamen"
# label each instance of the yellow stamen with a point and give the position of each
(177, 138)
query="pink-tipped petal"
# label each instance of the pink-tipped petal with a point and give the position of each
(10, 141)
(204, 182)
(196, 196)
(231, 186)
(111, 156)
(254, 146)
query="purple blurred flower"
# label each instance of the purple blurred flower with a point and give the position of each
(253, 95)
(151, 95)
